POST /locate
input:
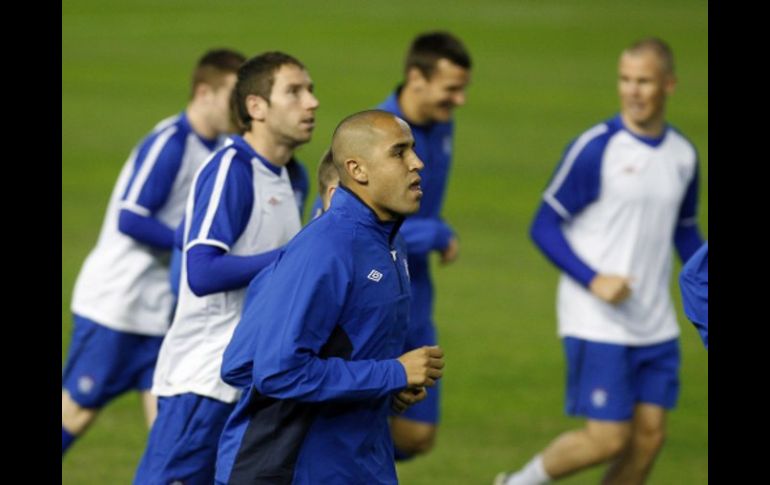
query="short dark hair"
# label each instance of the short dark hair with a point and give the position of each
(214, 66)
(256, 77)
(428, 48)
(659, 47)
(327, 172)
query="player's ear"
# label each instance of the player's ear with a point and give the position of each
(257, 107)
(202, 90)
(415, 78)
(670, 84)
(356, 170)
(330, 191)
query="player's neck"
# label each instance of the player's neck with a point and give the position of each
(276, 153)
(363, 195)
(198, 122)
(409, 103)
(651, 129)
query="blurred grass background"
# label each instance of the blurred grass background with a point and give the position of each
(543, 72)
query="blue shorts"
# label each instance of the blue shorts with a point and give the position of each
(427, 410)
(103, 363)
(606, 381)
(182, 446)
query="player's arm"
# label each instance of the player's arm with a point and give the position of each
(547, 234)
(687, 238)
(573, 187)
(299, 348)
(155, 168)
(423, 235)
(223, 200)
(211, 269)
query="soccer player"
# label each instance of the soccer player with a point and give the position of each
(694, 284)
(122, 300)
(329, 325)
(299, 184)
(436, 74)
(328, 180)
(625, 190)
(240, 210)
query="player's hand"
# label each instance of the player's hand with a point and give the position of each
(423, 366)
(611, 288)
(409, 396)
(452, 252)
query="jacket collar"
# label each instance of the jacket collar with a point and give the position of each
(344, 199)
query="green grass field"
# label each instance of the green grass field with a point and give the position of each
(543, 72)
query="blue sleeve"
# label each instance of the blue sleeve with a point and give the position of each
(211, 270)
(688, 210)
(223, 201)
(298, 312)
(577, 180)
(237, 362)
(423, 235)
(175, 266)
(547, 234)
(155, 169)
(300, 184)
(687, 238)
(694, 284)
(175, 270)
(145, 229)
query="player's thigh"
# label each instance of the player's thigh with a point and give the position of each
(183, 440)
(656, 374)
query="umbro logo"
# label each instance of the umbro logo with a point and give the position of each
(375, 276)
(273, 201)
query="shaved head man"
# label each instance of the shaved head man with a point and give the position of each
(324, 329)
(374, 155)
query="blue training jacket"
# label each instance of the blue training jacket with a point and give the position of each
(320, 333)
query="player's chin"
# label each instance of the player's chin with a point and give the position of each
(442, 115)
(303, 137)
(413, 205)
